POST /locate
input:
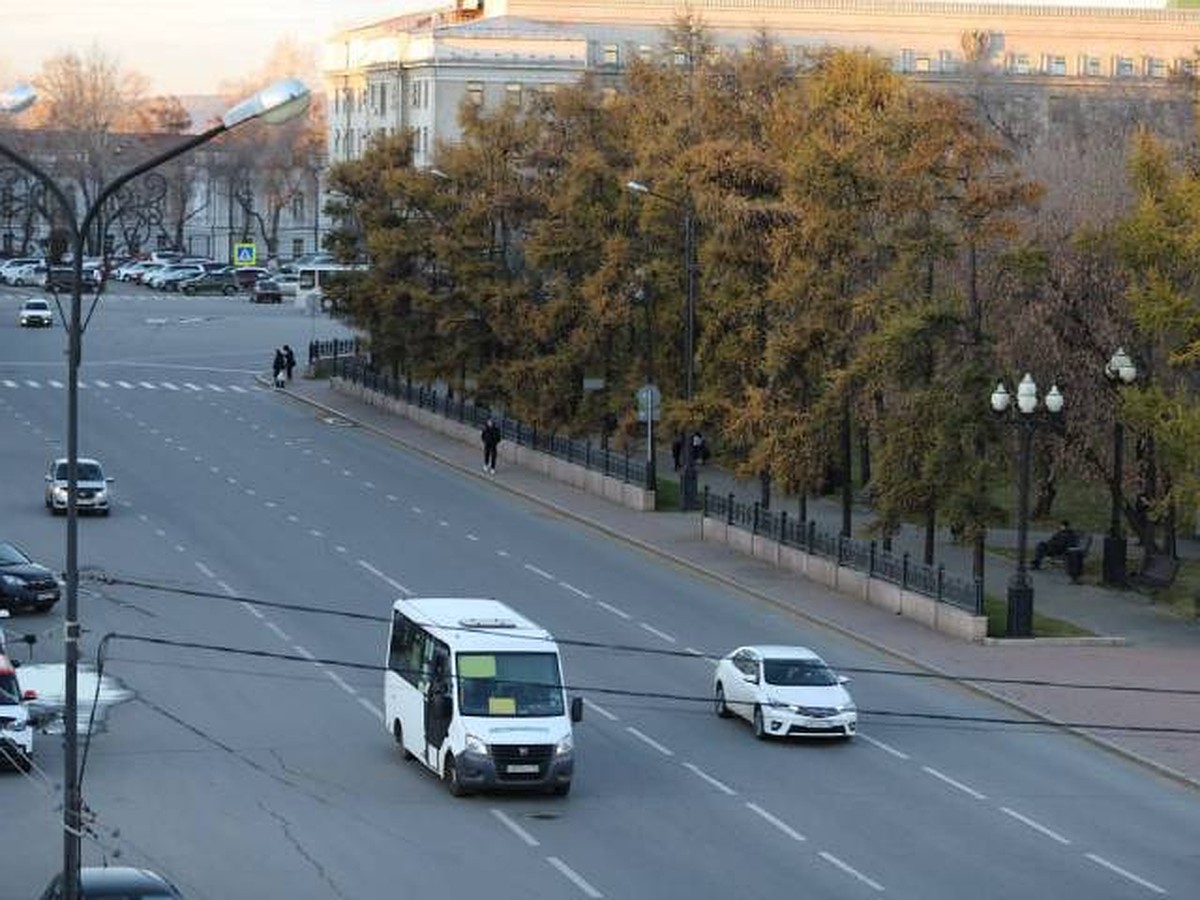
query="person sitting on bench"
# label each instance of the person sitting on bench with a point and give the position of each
(1057, 545)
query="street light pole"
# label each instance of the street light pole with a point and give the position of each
(1026, 419)
(1120, 370)
(276, 103)
(688, 481)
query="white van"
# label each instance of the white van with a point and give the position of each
(312, 280)
(474, 690)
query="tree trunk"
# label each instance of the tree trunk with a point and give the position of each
(930, 531)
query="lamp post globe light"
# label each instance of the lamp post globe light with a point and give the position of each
(688, 483)
(1120, 370)
(273, 104)
(1026, 417)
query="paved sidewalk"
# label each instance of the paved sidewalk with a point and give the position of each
(1160, 652)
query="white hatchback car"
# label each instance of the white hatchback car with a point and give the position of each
(16, 731)
(784, 691)
(92, 487)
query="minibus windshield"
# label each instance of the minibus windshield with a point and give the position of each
(509, 684)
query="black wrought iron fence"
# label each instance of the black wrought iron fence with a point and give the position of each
(334, 348)
(614, 464)
(854, 553)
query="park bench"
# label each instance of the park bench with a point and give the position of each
(1073, 558)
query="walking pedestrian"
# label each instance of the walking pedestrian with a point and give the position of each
(491, 440)
(677, 450)
(278, 364)
(289, 361)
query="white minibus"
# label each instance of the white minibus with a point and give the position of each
(312, 281)
(474, 690)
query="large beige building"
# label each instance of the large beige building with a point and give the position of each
(413, 71)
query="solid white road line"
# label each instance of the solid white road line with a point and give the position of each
(1113, 867)
(649, 741)
(1036, 826)
(886, 748)
(574, 877)
(341, 682)
(970, 791)
(574, 590)
(850, 870)
(781, 825)
(205, 570)
(654, 631)
(542, 572)
(374, 571)
(596, 707)
(516, 829)
(612, 609)
(719, 785)
(279, 632)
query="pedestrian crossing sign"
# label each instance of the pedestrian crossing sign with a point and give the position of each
(244, 254)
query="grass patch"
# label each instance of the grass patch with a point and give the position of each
(667, 495)
(1043, 626)
(1183, 596)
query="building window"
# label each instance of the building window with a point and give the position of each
(425, 95)
(1157, 67)
(1090, 66)
(383, 99)
(611, 55)
(645, 53)
(1056, 65)
(1019, 64)
(475, 92)
(297, 247)
(512, 94)
(298, 206)
(946, 61)
(922, 64)
(1123, 67)
(416, 94)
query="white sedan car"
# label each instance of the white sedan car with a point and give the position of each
(784, 691)
(36, 313)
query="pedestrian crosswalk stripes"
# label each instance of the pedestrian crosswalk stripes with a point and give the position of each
(53, 383)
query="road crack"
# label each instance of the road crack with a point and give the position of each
(286, 827)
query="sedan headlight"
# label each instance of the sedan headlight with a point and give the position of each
(12, 581)
(848, 706)
(475, 745)
(17, 725)
(60, 492)
(564, 746)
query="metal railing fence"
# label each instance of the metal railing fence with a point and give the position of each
(854, 553)
(614, 464)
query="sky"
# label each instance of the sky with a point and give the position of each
(181, 46)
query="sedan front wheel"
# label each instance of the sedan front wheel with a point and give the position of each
(721, 707)
(760, 730)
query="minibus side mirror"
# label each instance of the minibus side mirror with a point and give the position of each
(576, 709)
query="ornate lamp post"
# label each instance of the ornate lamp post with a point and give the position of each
(1026, 417)
(691, 269)
(1120, 370)
(276, 103)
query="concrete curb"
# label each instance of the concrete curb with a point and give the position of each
(1093, 641)
(785, 606)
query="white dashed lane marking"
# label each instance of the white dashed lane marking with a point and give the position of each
(886, 748)
(516, 829)
(966, 789)
(279, 632)
(600, 709)
(700, 773)
(1125, 873)
(654, 631)
(540, 572)
(574, 877)
(850, 870)
(649, 741)
(612, 609)
(1036, 826)
(384, 578)
(778, 823)
(574, 590)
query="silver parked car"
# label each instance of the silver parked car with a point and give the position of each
(92, 486)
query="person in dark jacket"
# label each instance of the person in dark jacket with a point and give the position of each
(1057, 545)
(491, 440)
(277, 366)
(289, 361)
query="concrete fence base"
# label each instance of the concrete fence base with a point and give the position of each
(943, 617)
(629, 495)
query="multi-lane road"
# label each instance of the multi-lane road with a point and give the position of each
(258, 776)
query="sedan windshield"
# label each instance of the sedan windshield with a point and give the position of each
(509, 684)
(87, 472)
(11, 556)
(798, 672)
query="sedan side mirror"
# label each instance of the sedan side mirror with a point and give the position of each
(842, 679)
(576, 709)
(48, 478)
(751, 678)
(108, 479)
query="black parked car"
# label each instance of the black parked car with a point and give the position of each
(24, 584)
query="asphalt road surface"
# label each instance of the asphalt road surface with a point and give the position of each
(254, 776)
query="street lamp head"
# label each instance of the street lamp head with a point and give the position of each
(1000, 398)
(17, 98)
(1121, 367)
(1027, 394)
(439, 174)
(274, 104)
(637, 187)
(1054, 400)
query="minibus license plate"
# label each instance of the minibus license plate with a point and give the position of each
(522, 768)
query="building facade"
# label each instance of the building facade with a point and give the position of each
(412, 72)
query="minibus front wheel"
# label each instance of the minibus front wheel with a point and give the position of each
(450, 776)
(398, 734)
